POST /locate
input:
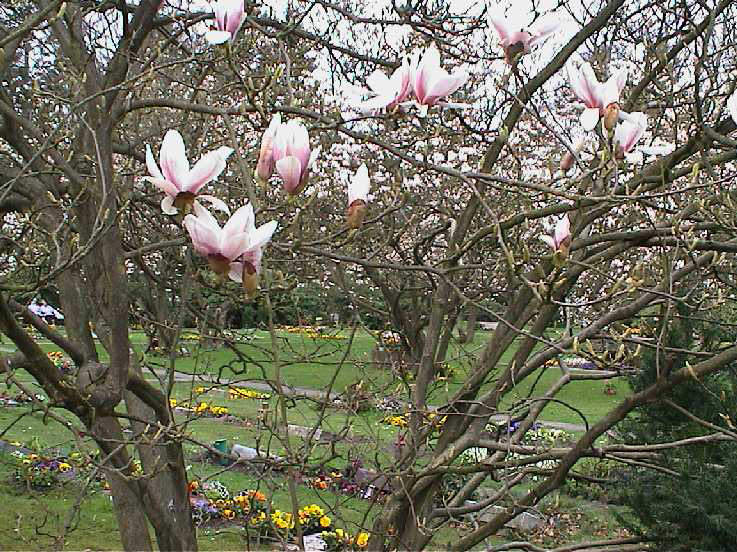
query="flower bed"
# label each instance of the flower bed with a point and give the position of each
(212, 504)
(245, 393)
(39, 472)
(313, 332)
(202, 408)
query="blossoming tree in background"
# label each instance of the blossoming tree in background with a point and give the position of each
(464, 194)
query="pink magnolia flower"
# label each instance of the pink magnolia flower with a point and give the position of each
(180, 183)
(292, 156)
(229, 16)
(247, 268)
(223, 245)
(732, 106)
(387, 92)
(265, 165)
(600, 99)
(430, 82)
(358, 189)
(560, 241)
(627, 134)
(518, 41)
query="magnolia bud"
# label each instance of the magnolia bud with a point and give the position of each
(250, 279)
(356, 214)
(611, 115)
(566, 161)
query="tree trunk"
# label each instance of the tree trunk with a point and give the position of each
(471, 314)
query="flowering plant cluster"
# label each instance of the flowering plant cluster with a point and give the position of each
(340, 540)
(202, 408)
(312, 518)
(313, 332)
(19, 398)
(63, 363)
(396, 420)
(390, 340)
(244, 393)
(211, 409)
(42, 472)
(212, 501)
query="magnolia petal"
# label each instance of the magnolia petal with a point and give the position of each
(313, 157)
(609, 92)
(443, 87)
(206, 169)
(261, 236)
(400, 82)
(503, 28)
(543, 27)
(290, 170)
(235, 15)
(254, 255)
(732, 106)
(589, 118)
(234, 246)
(359, 187)
(379, 83)
(204, 239)
(665, 149)
(374, 104)
(167, 206)
(236, 272)
(589, 86)
(241, 221)
(164, 185)
(217, 37)
(173, 159)
(216, 203)
(153, 168)
(549, 240)
(562, 230)
(205, 218)
(431, 58)
(454, 105)
(620, 78)
(634, 157)
(279, 144)
(224, 152)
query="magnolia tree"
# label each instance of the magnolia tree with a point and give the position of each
(430, 162)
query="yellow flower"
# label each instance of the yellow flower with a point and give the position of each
(228, 514)
(199, 389)
(325, 521)
(172, 402)
(362, 539)
(64, 467)
(339, 532)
